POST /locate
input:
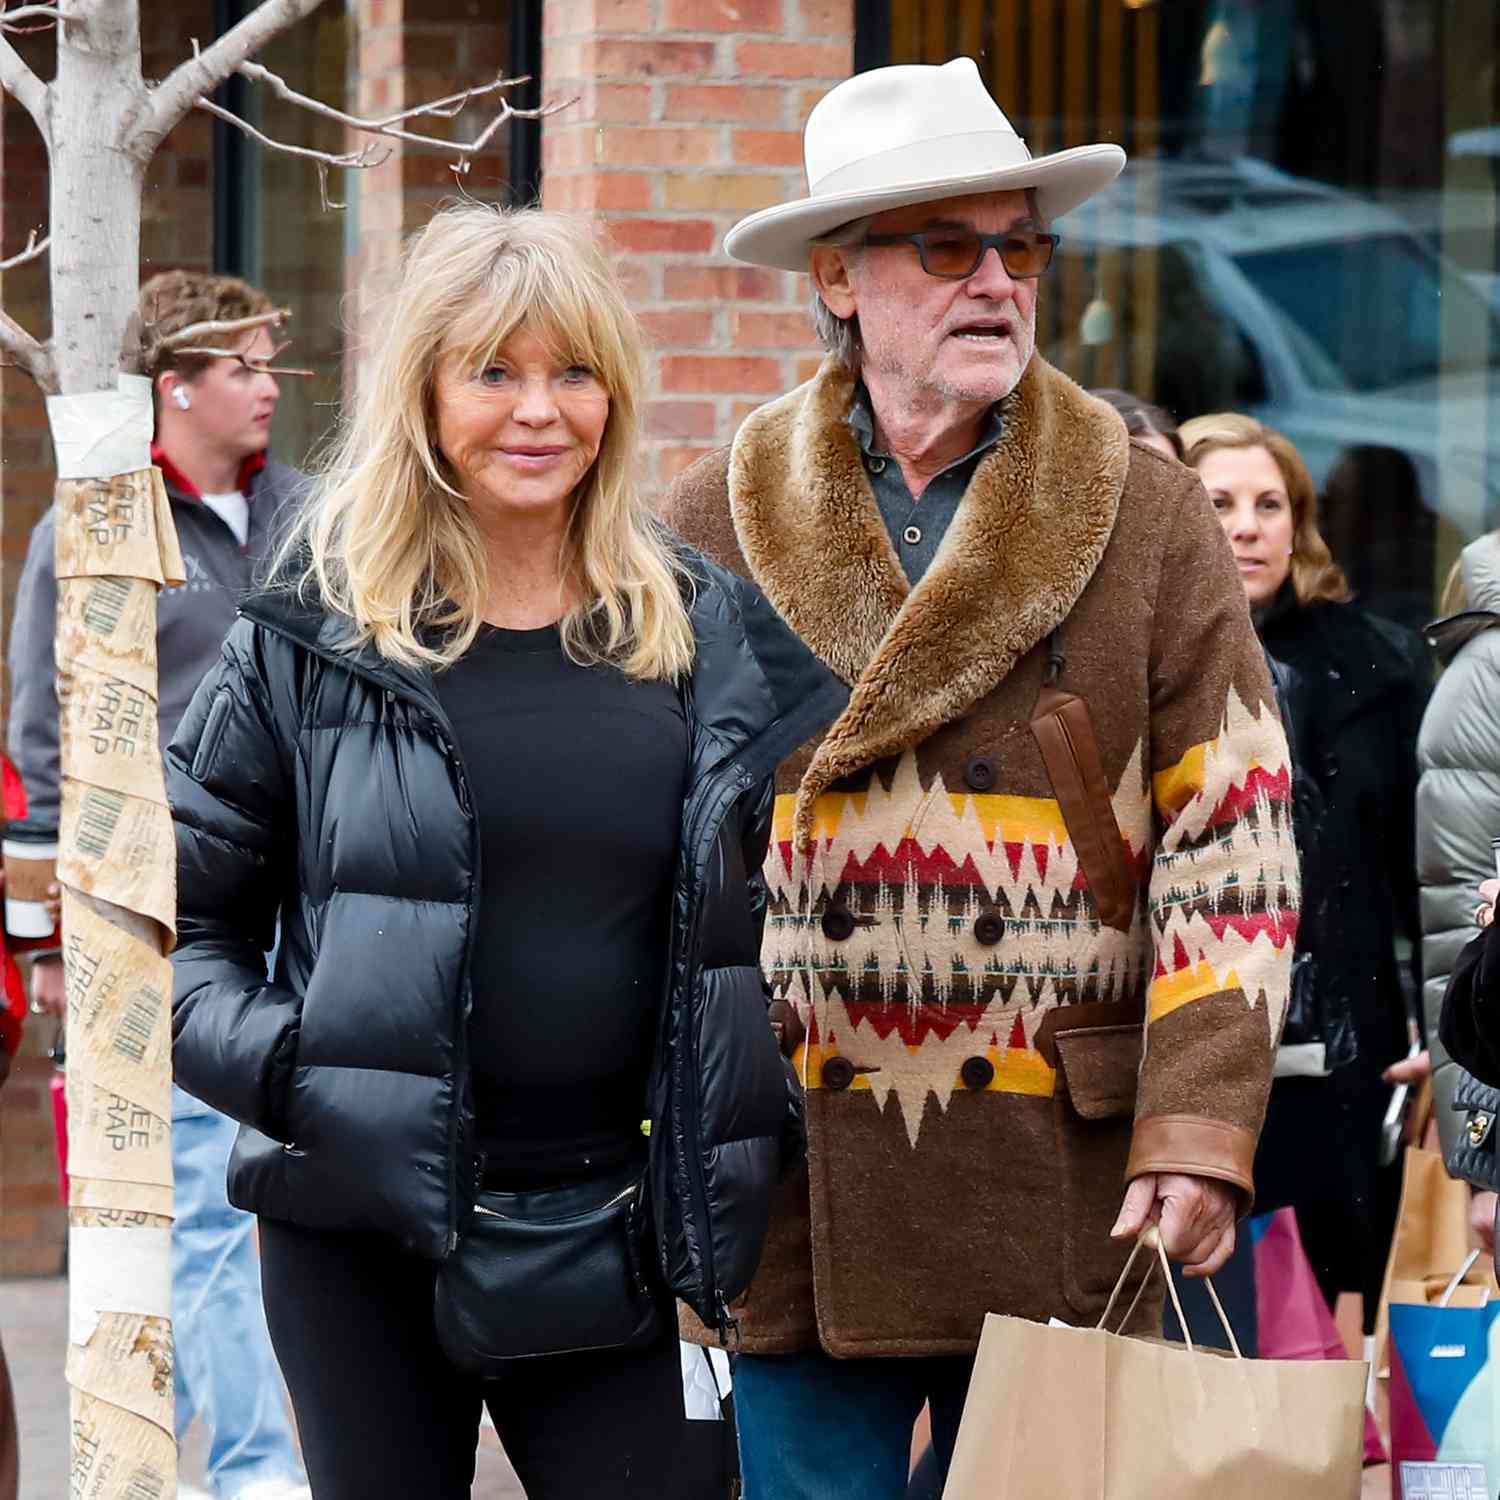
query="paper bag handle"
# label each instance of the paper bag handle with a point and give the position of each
(1462, 1271)
(1150, 1238)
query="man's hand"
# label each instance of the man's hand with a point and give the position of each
(47, 993)
(1195, 1214)
(1482, 1219)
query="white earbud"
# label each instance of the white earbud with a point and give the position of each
(180, 398)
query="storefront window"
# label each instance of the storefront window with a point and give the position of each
(287, 241)
(1306, 231)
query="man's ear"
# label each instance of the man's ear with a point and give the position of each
(830, 274)
(164, 384)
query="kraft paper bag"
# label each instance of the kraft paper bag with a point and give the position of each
(1431, 1241)
(1090, 1415)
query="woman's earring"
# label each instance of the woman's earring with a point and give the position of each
(180, 398)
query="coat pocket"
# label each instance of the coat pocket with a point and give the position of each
(213, 732)
(1095, 1115)
(1064, 734)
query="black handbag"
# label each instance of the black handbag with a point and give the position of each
(1471, 1157)
(558, 1271)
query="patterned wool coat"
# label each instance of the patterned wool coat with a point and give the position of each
(1033, 893)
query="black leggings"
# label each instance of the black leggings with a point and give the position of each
(382, 1412)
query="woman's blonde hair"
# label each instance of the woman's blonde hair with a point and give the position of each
(1315, 576)
(388, 539)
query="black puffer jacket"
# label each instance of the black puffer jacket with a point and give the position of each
(327, 788)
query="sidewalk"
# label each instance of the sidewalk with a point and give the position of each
(33, 1327)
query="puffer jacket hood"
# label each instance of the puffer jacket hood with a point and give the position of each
(1458, 805)
(323, 785)
(1479, 567)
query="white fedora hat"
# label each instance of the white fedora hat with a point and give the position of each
(911, 134)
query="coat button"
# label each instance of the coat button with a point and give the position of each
(838, 924)
(977, 1073)
(980, 773)
(838, 1073)
(989, 928)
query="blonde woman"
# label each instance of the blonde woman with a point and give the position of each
(497, 755)
(1356, 686)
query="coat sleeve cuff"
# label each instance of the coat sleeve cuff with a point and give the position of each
(1198, 1147)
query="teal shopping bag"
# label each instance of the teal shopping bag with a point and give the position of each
(1445, 1401)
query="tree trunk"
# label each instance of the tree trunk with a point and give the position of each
(115, 547)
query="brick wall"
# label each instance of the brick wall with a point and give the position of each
(33, 1220)
(689, 116)
(402, 56)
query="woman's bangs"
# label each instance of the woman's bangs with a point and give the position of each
(534, 301)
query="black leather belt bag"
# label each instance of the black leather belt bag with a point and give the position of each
(557, 1271)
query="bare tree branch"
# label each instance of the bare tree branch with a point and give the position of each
(445, 108)
(180, 341)
(24, 87)
(256, 366)
(366, 156)
(203, 72)
(32, 251)
(27, 354)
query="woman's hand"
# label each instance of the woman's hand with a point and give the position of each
(1484, 914)
(1413, 1070)
(1482, 1219)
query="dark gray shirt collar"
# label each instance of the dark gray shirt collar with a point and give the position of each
(916, 528)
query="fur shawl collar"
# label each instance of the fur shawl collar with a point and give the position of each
(1032, 528)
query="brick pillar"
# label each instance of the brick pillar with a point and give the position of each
(401, 55)
(690, 116)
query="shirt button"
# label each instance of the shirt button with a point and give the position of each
(838, 924)
(977, 1073)
(912, 535)
(838, 1073)
(989, 928)
(979, 773)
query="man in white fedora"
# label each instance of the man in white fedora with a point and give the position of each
(1031, 895)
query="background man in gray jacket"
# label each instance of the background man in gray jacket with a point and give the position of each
(213, 421)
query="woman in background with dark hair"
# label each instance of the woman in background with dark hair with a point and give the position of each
(1149, 425)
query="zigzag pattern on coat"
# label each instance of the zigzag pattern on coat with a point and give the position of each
(915, 991)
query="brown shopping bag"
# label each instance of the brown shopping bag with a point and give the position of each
(1084, 1414)
(1431, 1242)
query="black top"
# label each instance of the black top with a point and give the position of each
(578, 776)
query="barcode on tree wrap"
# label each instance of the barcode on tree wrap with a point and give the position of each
(106, 603)
(98, 816)
(145, 1484)
(138, 1025)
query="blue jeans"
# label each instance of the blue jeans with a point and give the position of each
(816, 1428)
(226, 1374)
